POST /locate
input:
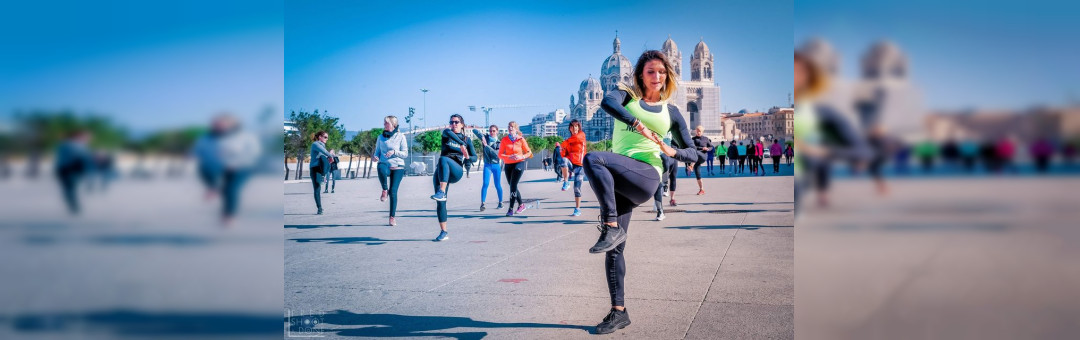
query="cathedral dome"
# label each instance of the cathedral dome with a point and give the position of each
(590, 85)
(615, 63)
(701, 50)
(669, 45)
(884, 60)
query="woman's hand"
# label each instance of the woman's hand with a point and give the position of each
(389, 153)
(667, 150)
(644, 131)
(376, 159)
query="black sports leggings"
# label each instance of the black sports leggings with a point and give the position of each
(513, 176)
(697, 166)
(448, 171)
(390, 181)
(316, 179)
(637, 184)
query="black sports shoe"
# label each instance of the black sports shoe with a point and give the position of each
(482, 208)
(610, 237)
(615, 320)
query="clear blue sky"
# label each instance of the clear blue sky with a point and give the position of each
(149, 65)
(963, 54)
(364, 60)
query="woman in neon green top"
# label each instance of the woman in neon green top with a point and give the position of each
(634, 163)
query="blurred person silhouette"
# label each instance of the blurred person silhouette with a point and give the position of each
(741, 150)
(331, 176)
(319, 165)
(704, 146)
(227, 156)
(759, 156)
(721, 157)
(73, 161)
(988, 152)
(950, 154)
(927, 152)
(101, 172)
(775, 151)
(1005, 149)
(210, 165)
(870, 110)
(969, 153)
(733, 157)
(822, 134)
(1041, 152)
(901, 157)
(751, 156)
(789, 154)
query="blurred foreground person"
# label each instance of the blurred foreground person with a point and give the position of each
(227, 156)
(73, 160)
(822, 135)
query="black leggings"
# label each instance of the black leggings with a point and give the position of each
(637, 183)
(697, 166)
(390, 180)
(668, 176)
(449, 171)
(722, 159)
(776, 163)
(513, 176)
(316, 179)
(670, 168)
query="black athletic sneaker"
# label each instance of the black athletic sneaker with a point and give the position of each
(615, 320)
(610, 237)
(482, 208)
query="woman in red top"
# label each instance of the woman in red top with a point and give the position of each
(514, 150)
(573, 148)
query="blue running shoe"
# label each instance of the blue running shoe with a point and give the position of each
(577, 212)
(443, 236)
(565, 185)
(439, 196)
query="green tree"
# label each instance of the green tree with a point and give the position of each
(349, 148)
(604, 145)
(538, 146)
(307, 124)
(428, 142)
(365, 146)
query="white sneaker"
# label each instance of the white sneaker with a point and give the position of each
(661, 217)
(665, 194)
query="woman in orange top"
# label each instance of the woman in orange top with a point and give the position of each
(573, 148)
(514, 150)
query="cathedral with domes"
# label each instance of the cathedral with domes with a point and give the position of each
(698, 99)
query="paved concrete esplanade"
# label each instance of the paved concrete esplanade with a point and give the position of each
(720, 266)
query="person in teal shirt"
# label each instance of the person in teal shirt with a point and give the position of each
(742, 157)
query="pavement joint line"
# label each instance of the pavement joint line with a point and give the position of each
(717, 272)
(481, 269)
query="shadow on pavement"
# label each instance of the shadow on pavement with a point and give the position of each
(714, 227)
(736, 211)
(370, 241)
(144, 324)
(393, 325)
(316, 226)
(567, 221)
(735, 203)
